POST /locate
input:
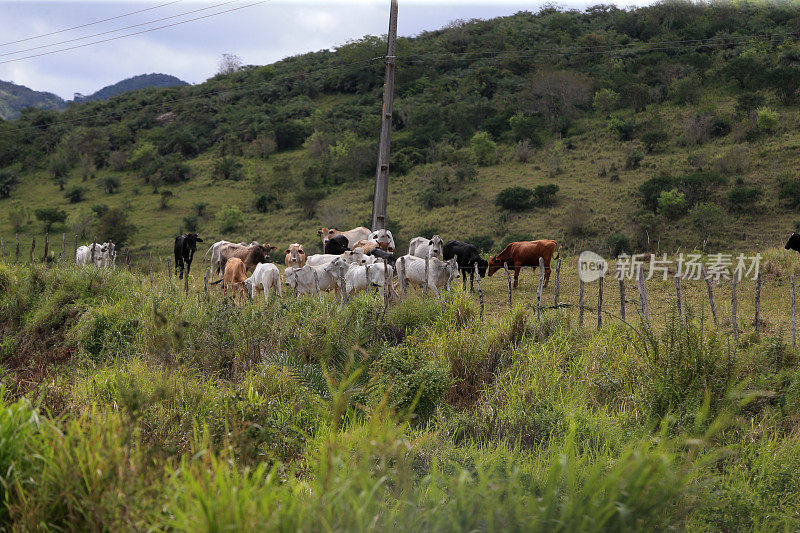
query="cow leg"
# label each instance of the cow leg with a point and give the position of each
(471, 280)
(546, 274)
(517, 268)
(188, 267)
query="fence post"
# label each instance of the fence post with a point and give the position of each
(580, 307)
(600, 303)
(343, 283)
(710, 295)
(794, 321)
(151, 270)
(733, 305)
(33, 247)
(46, 245)
(558, 286)
(186, 280)
(539, 289)
(94, 245)
(678, 291)
(758, 302)
(640, 285)
(75, 251)
(16, 257)
(425, 286)
(63, 246)
(205, 282)
(508, 277)
(480, 292)
(386, 282)
(128, 258)
(403, 276)
(169, 268)
(621, 279)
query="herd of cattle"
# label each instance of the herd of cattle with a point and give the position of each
(351, 261)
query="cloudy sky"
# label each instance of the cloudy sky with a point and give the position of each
(259, 34)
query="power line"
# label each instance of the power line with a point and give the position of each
(88, 24)
(117, 30)
(133, 33)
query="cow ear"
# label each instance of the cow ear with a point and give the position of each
(273, 247)
(287, 251)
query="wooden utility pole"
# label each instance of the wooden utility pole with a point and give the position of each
(381, 197)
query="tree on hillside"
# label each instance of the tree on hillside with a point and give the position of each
(59, 168)
(50, 216)
(114, 225)
(19, 216)
(229, 64)
(557, 93)
(8, 181)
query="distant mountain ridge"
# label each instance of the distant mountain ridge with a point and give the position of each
(142, 81)
(14, 98)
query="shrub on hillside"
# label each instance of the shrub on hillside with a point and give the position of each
(110, 184)
(230, 218)
(633, 159)
(746, 103)
(50, 216)
(18, 217)
(623, 129)
(514, 237)
(686, 91)
(191, 223)
(654, 140)
(265, 202)
(672, 204)
(766, 120)
(484, 243)
(708, 218)
(309, 199)
(545, 195)
(75, 194)
(483, 149)
(8, 182)
(175, 170)
(789, 190)
(618, 243)
(578, 222)
(466, 171)
(744, 198)
(114, 225)
(227, 168)
(100, 209)
(515, 198)
(527, 127)
(523, 151)
(699, 186)
(652, 188)
(605, 100)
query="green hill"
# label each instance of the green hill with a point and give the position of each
(663, 126)
(135, 83)
(14, 98)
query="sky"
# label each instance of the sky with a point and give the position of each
(258, 34)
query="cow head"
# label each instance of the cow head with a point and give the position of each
(436, 247)
(327, 234)
(291, 277)
(248, 285)
(384, 238)
(494, 265)
(193, 239)
(261, 253)
(793, 243)
(482, 265)
(452, 268)
(295, 255)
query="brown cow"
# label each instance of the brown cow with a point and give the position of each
(250, 255)
(525, 253)
(295, 256)
(235, 276)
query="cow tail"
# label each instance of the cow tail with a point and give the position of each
(557, 252)
(205, 254)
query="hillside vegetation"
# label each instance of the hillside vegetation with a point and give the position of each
(14, 98)
(662, 126)
(134, 83)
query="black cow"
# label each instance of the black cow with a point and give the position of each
(185, 246)
(467, 256)
(382, 254)
(793, 243)
(337, 245)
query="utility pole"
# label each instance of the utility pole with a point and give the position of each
(382, 173)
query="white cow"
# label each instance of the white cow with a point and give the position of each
(383, 237)
(303, 279)
(360, 277)
(108, 253)
(83, 255)
(355, 256)
(440, 273)
(265, 276)
(422, 247)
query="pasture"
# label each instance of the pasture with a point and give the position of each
(131, 407)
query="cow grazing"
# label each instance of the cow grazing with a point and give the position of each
(354, 235)
(235, 275)
(84, 256)
(381, 255)
(793, 243)
(295, 256)
(525, 253)
(250, 255)
(337, 245)
(361, 277)
(384, 238)
(302, 279)
(422, 247)
(468, 257)
(440, 273)
(265, 276)
(185, 247)
(365, 245)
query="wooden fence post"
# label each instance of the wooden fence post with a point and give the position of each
(678, 294)
(16, 256)
(733, 305)
(186, 281)
(425, 286)
(46, 245)
(169, 268)
(580, 307)
(757, 319)
(387, 280)
(403, 275)
(794, 321)
(63, 246)
(600, 303)
(94, 245)
(621, 279)
(75, 251)
(508, 277)
(151, 270)
(480, 292)
(710, 295)
(539, 289)
(33, 247)
(205, 282)
(128, 258)
(640, 285)
(558, 286)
